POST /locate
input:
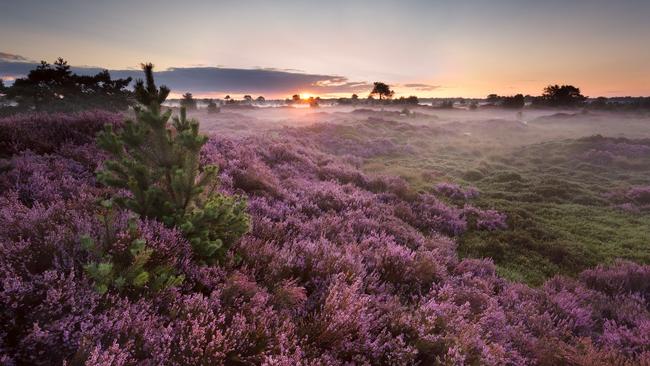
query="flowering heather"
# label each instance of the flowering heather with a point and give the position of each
(339, 268)
(455, 191)
(603, 150)
(45, 132)
(634, 199)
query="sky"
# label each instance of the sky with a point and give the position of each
(427, 48)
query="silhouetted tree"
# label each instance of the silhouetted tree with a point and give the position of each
(446, 104)
(260, 99)
(383, 90)
(295, 98)
(56, 88)
(355, 97)
(188, 102)
(492, 99)
(516, 101)
(413, 100)
(212, 107)
(248, 98)
(562, 96)
(599, 103)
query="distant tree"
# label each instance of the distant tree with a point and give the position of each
(212, 107)
(227, 98)
(492, 99)
(562, 96)
(295, 98)
(355, 97)
(260, 99)
(446, 104)
(412, 100)
(248, 98)
(383, 90)
(188, 102)
(3, 110)
(55, 88)
(516, 101)
(314, 102)
(599, 103)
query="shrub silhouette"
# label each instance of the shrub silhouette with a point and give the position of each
(159, 166)
(212, 107)
(188, 102)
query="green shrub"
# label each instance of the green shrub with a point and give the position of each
(158, 165)
(128, 270)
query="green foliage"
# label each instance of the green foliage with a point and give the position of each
(128, 271)
(159, 165)
(215, 226)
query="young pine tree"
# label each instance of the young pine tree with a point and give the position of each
(158, 164)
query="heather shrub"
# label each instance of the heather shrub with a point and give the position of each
(639, 195)
(339, 268)
(45, 178)
(44, 133)
(455, 191)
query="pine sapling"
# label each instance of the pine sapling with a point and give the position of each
(157, 163)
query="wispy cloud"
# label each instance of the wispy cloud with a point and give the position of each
(421, 87)
(4, 56)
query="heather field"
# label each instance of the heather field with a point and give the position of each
(354, 236)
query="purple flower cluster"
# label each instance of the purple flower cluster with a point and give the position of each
(340, 268)
(455, 191)
(605, 150)
(634, 199)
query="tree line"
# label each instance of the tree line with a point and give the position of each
(55, 88)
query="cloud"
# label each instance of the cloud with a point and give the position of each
(4, 56)
(211, 80)
(421, 87)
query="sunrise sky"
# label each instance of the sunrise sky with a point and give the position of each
(278, 48)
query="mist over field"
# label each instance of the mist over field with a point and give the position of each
(340, 183)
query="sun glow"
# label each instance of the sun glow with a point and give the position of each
(305, 96)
